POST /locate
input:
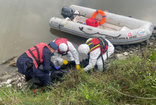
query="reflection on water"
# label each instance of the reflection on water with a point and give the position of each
(24, 23)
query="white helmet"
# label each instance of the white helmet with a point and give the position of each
(83, 48)
(63, 47)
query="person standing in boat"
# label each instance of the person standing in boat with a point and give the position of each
(31, 61)
(98, 50)
(65, 48)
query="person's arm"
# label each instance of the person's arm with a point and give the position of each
(52, 64)
(74, 52)
(93, 59)
(46, 59)
(57, 57)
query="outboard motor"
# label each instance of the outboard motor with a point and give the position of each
(67, 12)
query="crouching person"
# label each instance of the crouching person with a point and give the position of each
(98, 50)
(30, 61)
(65, 48)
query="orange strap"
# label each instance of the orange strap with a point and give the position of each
(103, 15)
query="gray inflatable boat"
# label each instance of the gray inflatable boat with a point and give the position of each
(116, 28)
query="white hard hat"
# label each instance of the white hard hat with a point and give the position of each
(63, 47)
(83, 48)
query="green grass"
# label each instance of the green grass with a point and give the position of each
(130, 81)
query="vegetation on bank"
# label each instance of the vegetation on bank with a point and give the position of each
(130, 81)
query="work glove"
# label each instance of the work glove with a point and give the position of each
(77, 67)
(57, 68)
(65, 62)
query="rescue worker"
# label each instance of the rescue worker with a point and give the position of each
(30, 61)
(65, 47)
(98, 50)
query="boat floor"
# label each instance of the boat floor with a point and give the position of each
(105, 26)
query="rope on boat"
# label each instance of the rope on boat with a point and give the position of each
(81, 29)
(138, 97)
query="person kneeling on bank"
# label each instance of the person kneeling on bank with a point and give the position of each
(65, 48)
(30, 61)
(98, 50)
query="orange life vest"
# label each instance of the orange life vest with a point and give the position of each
(36, 53)
(58, 41)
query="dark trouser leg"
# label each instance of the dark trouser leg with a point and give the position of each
(43, 77)
(29, 71)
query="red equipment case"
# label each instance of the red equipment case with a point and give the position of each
(91, 22)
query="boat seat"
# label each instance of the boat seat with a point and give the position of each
(124, 28)
(79, 19)
(110, 27)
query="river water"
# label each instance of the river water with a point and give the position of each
(24, 23)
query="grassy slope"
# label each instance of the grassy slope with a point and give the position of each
(128, 81)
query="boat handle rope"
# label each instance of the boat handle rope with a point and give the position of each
(81, 29)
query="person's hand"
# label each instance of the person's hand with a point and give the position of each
(77, 67)
(57, 68)
(65, 62)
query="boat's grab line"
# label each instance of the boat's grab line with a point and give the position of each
(81, 29)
